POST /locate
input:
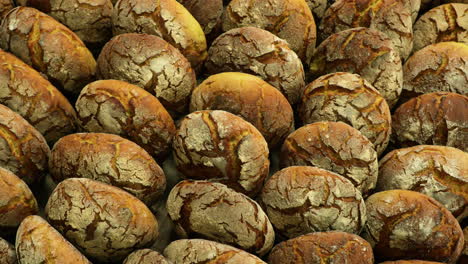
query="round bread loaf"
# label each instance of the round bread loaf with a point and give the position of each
(249, 97)
(441, 67)
(16, 202)
(213, 211)
(167, 19)
(5, 6)
(7, 252)
(443, 23)
(104, 222)
(151, 63)
(323, 247)
(38, 242)
(336, 147)
(290, 20)
(259, 52)
(350, 99)
(206, 251)
(23, 150)
(410, 262)
(437, 171)
(208, 13)
(427, 4)
(117, 107)
(439, 118)
(392, 17)
(89, 19)
(302, 199)
(29, 94)
(145, 256)
(363, 51)
(110, 159)
(407, 224)
(49, 47)
(222, 147)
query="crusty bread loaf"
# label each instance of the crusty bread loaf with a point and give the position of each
(145, 256)
(7, 252)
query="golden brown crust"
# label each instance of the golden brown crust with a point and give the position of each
(164, 18)
(110, 159)
(336, 147)
(145, 256)
(350, 99)
(198, 251)
(7, 252)
(323, 247)
(214, 211)
(151, 63)
(258, 52)
(437, 171)
(38, 242)
(49, 47)
(16, 202)
(290, 20)
(103, 221)
(117, 107)
(439, 118)
(407, 224)
(249, 97)
(302, 199)
(23, 150)
(440, 67)
(26, 92)
(392, 17)
(443, 23)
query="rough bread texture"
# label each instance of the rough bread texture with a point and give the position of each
(323, 247)
(363, 51)
(350, 99)
(249, 97)
(49, 47)
(214, 211)
(38, 242)
(145, 256)
(407, 224)
(104, 222)
(198, 251)
(258, 52)
(222, 147)
(336, 147)
(7, 252)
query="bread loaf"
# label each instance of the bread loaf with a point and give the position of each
(208, 13)
(145, 256)
(7, 252)
(5, 6)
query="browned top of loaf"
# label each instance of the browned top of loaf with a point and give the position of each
(439, 118)
(250, 97)
(7, 252)
(28, 93)
(331, 247)
(145, 256)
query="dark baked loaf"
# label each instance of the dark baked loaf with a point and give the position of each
(7, 252)
(145, 256)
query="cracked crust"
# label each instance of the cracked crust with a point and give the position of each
(117, 107)
(350, 99)
(258, 52)
(110, 159)
(290, 20)
(336, 147)
(249, 97)
(49, 47)
(444, 23)
(208, 13)
(214, 211)
(199, 251)
(363, 51)
(166, 19)
(23, 150)
(323, 247)
(222, 147)
(441, 67)
(145, 256)
(5, 7)
(16, 202)
(433, 119)
(150, 63)
(302, 199)
(7, 252)
(89, 19)
(407, 224)
(392, 17)
(29, 94)
(104, 222)
(437, 171)
(38, 242)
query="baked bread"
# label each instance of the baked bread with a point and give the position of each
(7, 252)
(145, 256)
